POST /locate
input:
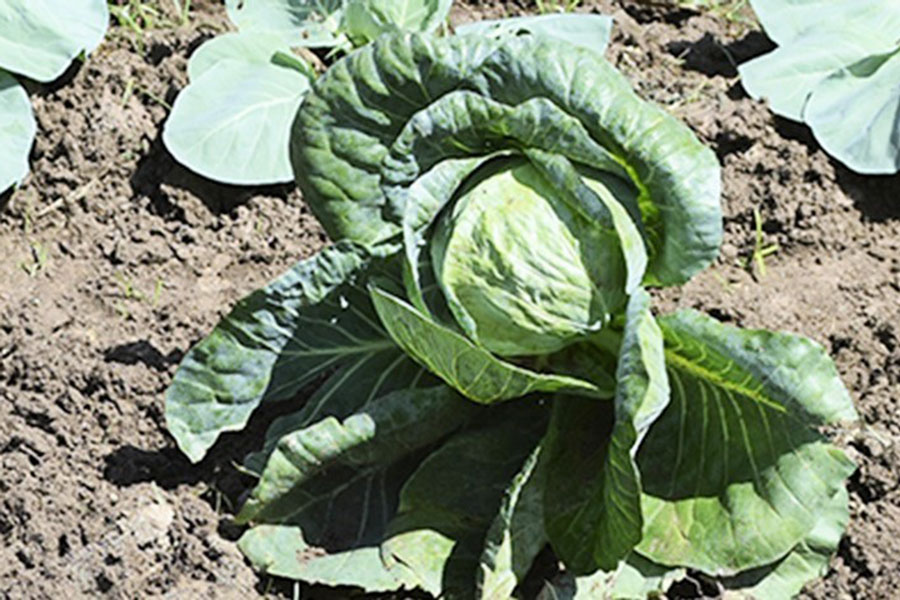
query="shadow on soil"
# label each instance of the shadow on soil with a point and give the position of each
(158, 170)
(875, 196)
(710, 57)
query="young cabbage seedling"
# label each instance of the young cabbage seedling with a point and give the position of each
(496, 378)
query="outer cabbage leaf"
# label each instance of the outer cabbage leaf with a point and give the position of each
(365, 20)
(786, 20)
(593, 490)
(855, 114)
(17, 130)
(472, 371)
(311, 23)
(233, 123)
(835, 69)
(807, 561)
(359, 382)
(39, 38)
(353, 170)
(336, 521)
(282, 551)
(275, 341)
(735, 473)
(636, 578)
(449, 504)
(588, 31)
(254, 48)
(329, 451)
(787, 75)
(516, 536)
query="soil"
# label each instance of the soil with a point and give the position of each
(117, 260)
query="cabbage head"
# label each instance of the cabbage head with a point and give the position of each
(523, 272)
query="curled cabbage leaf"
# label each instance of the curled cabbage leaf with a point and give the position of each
(386, 138)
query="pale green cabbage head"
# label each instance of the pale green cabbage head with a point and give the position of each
(523, 272)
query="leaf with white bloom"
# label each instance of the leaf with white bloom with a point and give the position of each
(233, 123)
(40, 38)
(17, 130)
(311, 23)
(589, 31)
(365, 20)
(254, 48)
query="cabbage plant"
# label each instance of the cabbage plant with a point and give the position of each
(232, 122)
(490, 377)
(38, 41)
(836, 69)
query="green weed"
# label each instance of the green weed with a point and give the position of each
(140, 16)
(731, 10)
(556, 6)
(760, 249)
(38, 262)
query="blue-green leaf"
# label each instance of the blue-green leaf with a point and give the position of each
(855, 114)
(247, 47)
(786, 20)
(233, 123)
(365, 20)
(588, 31)
(17, 130)
(312, 23)
(787, 75)
(835, 69)
(39, 38)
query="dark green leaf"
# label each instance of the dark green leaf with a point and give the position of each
(275, 341)
(451, 501)
(593, 493)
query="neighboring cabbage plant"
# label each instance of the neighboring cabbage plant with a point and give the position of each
(38, 41)
(232, 122)
(490, 377)
(836, 68)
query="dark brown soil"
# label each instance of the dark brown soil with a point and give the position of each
(117, 260)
